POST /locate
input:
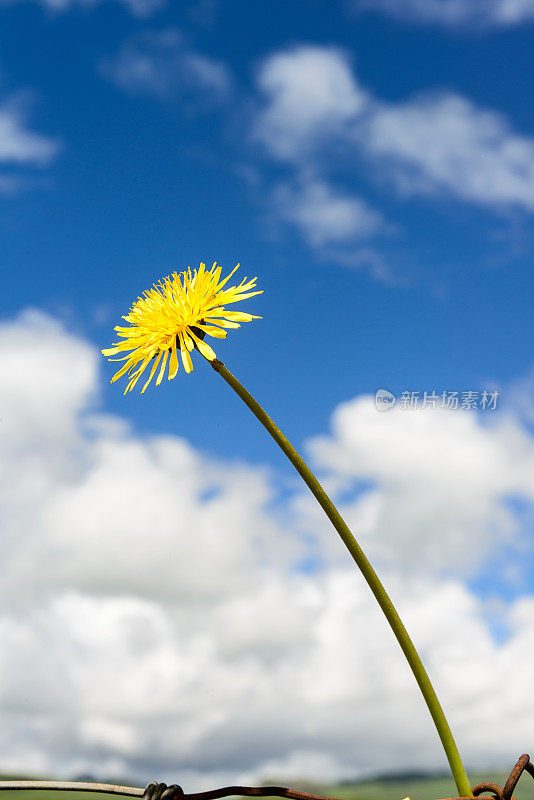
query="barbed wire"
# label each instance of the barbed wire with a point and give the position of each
(498, 792)
(160, 791)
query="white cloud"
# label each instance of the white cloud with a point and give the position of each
(162, 64)
(153, 623)
(430, 144)
(18, 144)
(33, 353)
(476, 13)
(446, 143)
(21, 149)
(324, 215)
(139, 8)
(310, 95)
(310, 92)
(437, 476)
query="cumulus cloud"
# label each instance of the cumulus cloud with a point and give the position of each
(436, 476)
(310, 94)
(310, 91)
(471, 13)
(29, 422)
(156, 623)
(163, 65)
(20, 147)
(322, 214)
(445, 143)
(316, 117)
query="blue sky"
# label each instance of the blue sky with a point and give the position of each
(372, 164)
(145, 180)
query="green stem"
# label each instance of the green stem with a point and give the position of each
(427, 690)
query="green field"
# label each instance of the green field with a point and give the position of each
(424, 788)
(382, 789)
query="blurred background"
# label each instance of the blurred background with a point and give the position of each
(172, 603)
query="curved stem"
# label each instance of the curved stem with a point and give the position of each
(412, 656)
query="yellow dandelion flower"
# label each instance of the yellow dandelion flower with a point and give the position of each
(178, 313)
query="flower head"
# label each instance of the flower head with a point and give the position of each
(177, 314)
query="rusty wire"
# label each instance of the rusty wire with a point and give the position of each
(498, 792)
(160, 791)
